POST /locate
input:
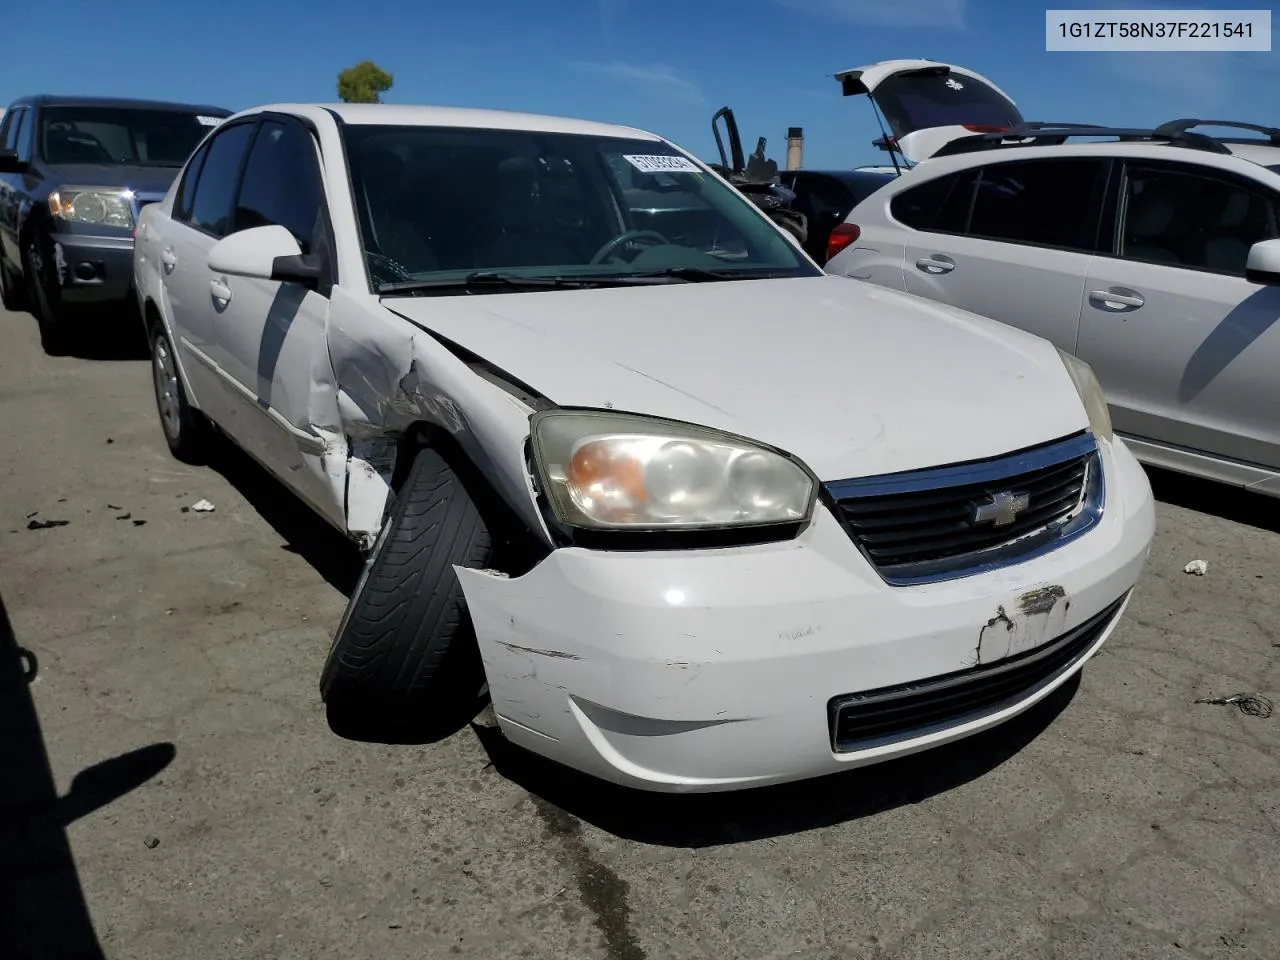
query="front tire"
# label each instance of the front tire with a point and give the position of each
(10, 291)
(405, 654)
(185, 429)
(45, 303)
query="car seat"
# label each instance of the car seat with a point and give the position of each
(1147, 226)
(1227, 249)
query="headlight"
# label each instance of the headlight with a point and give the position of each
(1095, 403)
(111, 208)
(611, 471)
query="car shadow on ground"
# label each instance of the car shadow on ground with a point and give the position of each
(304, 533)
(707, 820)
(100, 335)
(1217, 499)
(44, 913)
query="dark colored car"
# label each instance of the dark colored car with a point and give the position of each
(74, 172)
(825, 197)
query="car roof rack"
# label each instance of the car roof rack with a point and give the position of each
(1182, 126)
(1056, 134)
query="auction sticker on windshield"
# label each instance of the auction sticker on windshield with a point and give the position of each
(662, 164)
(209, 121)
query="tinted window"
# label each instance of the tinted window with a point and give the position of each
(1186, 219)
(186, 189)
(1046, 202)
(821, 197)
(8, 127)
(940, 205)
(121, 135)
(911, 101)
(216, 187)
(22, 139)
(437, 201)
(281, 183)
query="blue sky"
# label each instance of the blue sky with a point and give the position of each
(664, 65)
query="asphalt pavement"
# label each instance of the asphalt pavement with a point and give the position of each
(170, 789)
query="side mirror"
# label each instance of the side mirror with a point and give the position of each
(265, 253)
(1263, 265)
(9, 162)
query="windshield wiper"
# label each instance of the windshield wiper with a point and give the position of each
(693, 274)
(483, 280)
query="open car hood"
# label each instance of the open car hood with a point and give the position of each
(927, 103)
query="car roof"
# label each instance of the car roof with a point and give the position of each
(1261, 153)
(71, 100)
(359, 114)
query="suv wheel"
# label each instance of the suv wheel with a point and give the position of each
(45, 302)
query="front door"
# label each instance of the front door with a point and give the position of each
(1184, 346)
(270, 338)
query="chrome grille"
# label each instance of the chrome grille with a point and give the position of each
(911, 710)
(946, 522)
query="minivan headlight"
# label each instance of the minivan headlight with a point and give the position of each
(1095, 403)
(108, 207)
(602, 470)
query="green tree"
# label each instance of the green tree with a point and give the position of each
(363, 83)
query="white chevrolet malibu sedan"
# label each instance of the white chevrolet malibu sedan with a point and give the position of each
(698, 516)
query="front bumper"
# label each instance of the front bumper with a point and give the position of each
(717, 669)
(92, 269)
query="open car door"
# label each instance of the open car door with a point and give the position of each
(927, 104)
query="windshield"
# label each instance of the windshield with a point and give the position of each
(120, 135)
(913, 101)
(441, 203)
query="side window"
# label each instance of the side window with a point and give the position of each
(1187, 218)
(939, 206)
(9, 127)
(211, 208)
(22, 138)
(1043, 202)
(282, 183)
(187, 189)
(828, 197)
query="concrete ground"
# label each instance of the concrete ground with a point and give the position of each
(177, 793)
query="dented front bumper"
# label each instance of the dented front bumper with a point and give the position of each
(720, 669)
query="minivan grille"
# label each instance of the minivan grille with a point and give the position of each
(953, 521)
(910, 710)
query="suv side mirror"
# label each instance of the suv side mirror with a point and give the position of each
(265, 253)
(1263, 265)
(9, 162)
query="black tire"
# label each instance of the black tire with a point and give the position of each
(45, 303)
(404, 656)
(10, 291)
(186, 430)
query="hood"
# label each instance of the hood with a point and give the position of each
(927, 103)
(854, 379)
(147, 181)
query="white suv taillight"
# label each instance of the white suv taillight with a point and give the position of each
(843, 235)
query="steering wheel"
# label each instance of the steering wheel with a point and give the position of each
(623, 239)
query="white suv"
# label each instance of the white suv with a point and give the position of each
(1153, 255)
(702, 516)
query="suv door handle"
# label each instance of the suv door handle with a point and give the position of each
(169, 259)
(936, 263)
(1117, 296)
(220, 291)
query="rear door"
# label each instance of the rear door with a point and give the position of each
(1010, 240)
(1187, 350)
(927, 103)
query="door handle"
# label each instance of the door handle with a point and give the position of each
(169, 259)
(936, 264)
(220, 291)
(1117, 297)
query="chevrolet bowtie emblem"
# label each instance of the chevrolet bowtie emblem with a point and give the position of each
(1000, 509)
